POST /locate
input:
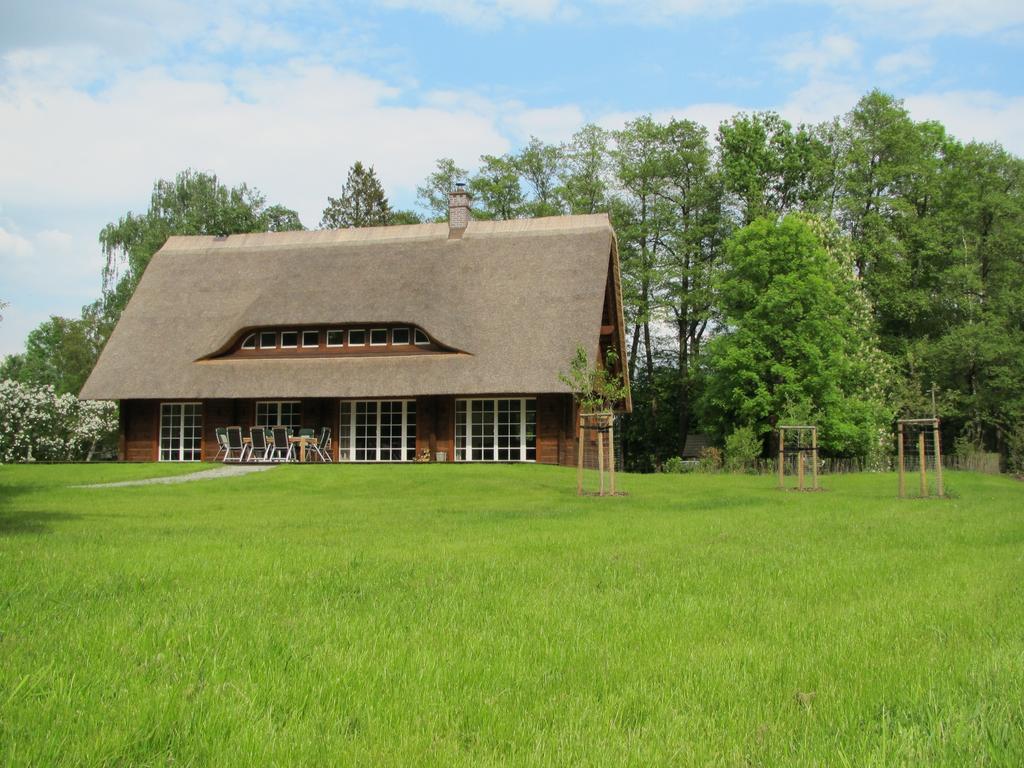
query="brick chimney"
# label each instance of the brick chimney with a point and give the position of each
(458, 211)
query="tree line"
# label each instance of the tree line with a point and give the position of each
(843, 273)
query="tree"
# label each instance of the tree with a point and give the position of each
(642, 218)
(690, 184)
(3, 305)
(539, 164)
(584, 171)
(796, 337)
(404, 217)
(362, 202)
(496, 188)
(768, 167)
(193, 203)
(433, 195)
(59, 352)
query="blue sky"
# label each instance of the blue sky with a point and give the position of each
(98, 99)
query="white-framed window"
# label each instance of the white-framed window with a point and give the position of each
(379, 337)
(357, 338)
(310, 339)
(181, 431)
(268, 340)
(335, 338)
(399, 336)
(377, 430)
(500, 429)
(420, 337)
(279, 413)
(249, 342)
(289, 339)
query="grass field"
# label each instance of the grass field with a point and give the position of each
(483, 615)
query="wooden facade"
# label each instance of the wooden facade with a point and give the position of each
(556, 428)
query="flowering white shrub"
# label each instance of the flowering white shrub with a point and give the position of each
(38, 424)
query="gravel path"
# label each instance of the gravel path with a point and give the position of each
(208, 474)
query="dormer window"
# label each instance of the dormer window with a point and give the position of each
(328, 341)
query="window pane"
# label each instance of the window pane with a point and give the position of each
(268, 340)
(335, 338)
(311, 338)
(250, 342)
(345, 431)
(421, 337)
(378, 337)
(356, 338)
(400, 336)
(289, 339)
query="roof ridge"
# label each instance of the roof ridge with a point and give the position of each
(403, 232)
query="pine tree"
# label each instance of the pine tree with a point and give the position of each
(362, 202)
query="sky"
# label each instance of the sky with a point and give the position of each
(100, 98)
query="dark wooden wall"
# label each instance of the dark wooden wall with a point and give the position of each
(435, 425)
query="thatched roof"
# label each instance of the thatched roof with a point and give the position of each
(516, 297)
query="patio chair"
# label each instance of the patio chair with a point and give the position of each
(307, 434)
(282, 449)
(322, 447)
(259, 448)
(235, 445)
(222, 442)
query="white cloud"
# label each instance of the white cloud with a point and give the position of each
(487, 13)
(977, 115)
(829, 53)
(13, 245)
(929, 18)
(292, 132)
(551, 124)
(904, 64)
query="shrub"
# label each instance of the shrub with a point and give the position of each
(674, 465)
(710, 460)
(742, 449)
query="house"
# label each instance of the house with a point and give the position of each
(443, 337)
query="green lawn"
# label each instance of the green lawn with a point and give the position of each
(475, 615)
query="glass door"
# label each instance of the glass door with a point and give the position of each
(181, 431)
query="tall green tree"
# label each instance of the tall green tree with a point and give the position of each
(433, 194)
(59, 352)
(795, 339)
(539, 164)
(691, 247)
(585, 170)
(643, 219)
(497, 189)
(362, 202)
(193, 203)
(768, 167)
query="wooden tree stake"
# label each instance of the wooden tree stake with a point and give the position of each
(924, 468)
(938, 458)
(611, 452)
(782, 458)
(579, 461)
(600, 460)
(814, 457)
(899, 461)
